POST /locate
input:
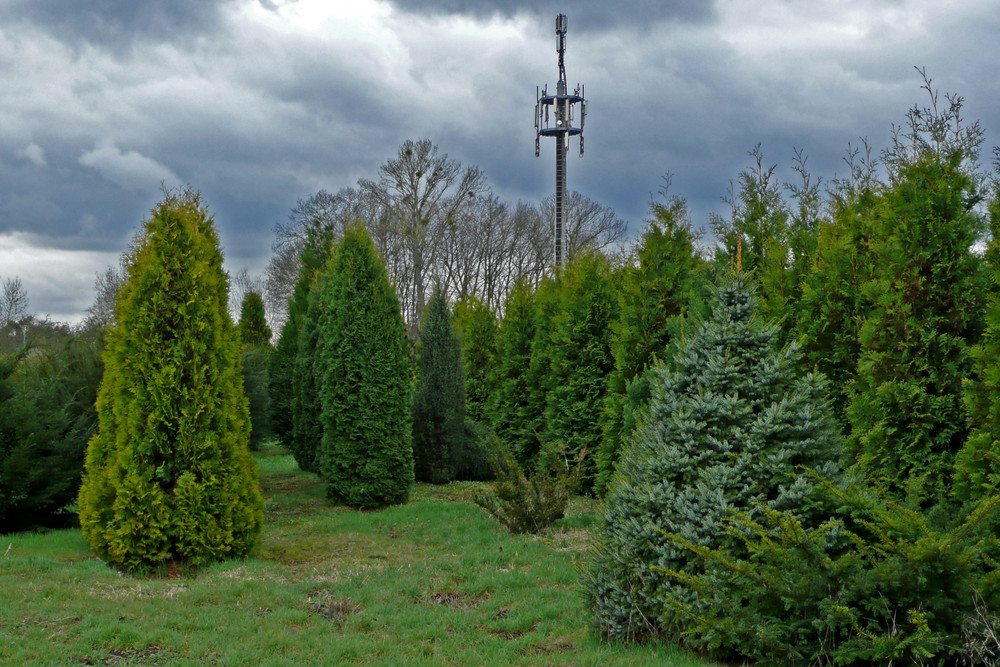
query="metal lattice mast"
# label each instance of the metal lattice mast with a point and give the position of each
(563, 129)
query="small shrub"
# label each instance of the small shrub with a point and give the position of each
(528, 503)
(878, 582)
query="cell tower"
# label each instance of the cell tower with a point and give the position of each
(563, 129)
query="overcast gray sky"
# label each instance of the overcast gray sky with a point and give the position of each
(258, 103)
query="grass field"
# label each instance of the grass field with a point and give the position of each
(433, 582)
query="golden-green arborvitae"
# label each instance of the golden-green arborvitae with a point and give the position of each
(168, 475)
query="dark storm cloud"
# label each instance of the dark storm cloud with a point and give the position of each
(584, 16)
(116, 23)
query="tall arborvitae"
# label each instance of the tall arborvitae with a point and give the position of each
(365, 378)
(728, 429)
(577, 357)
(307, 426)
(831, 306)
(476, 326)
(531, 407)
(654, 297)
(758, 230)
(510, 404)
(253, 322)
(168, 474)
(439, 401)
(257, 350)
(978, 462)
(906, 411)
(283, 379)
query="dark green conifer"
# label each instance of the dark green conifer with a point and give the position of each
(573, 356)
(365, 379)
(168, 475)
(439, 401)
(978, 461)
(906, 410)
(284, 381)
(253, 323)
(476, 326)
(725, 430)
(510, 405)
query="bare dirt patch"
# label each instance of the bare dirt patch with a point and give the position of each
(456, 600)
(332, 608)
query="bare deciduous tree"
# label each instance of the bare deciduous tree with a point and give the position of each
(421, 193)
(13, 301)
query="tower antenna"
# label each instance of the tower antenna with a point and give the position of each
(563, 129)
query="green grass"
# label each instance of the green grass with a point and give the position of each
(433, 582)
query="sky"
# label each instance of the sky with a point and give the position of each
(259, 103)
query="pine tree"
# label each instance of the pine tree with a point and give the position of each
(439, 401)
(510, 403)
(476, 326)
(726, 430)
(365, 377)
(168, 474)
(253, 323)
(654, 297)
(577, 358)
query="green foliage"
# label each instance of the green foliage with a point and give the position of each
(528, 504)
(978, 462)
(574, 352)
(307, 424)
(439, 400)
(168, 475)
(255, 364)
(654, 297)
(876, 582)
(365, 375)
(282, 375)
(725, 430)
(511, 405)
(253, 323)
(906, 410)
(476, 326)
(832, 307)
(47, 415)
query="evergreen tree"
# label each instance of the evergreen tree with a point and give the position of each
(654, 297)
(906, 410)
(510, 404)
(726, 430)
(538, 373)
(282, 376)
(254, 364)
(256, 337)
(978, 462)
(576, 354)
(253, 323)
(168, 474)
(832, 306)
(476, 326)
(365, 376)
(758, 231)
(307, 406)
(439, 401)
(47, 415)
